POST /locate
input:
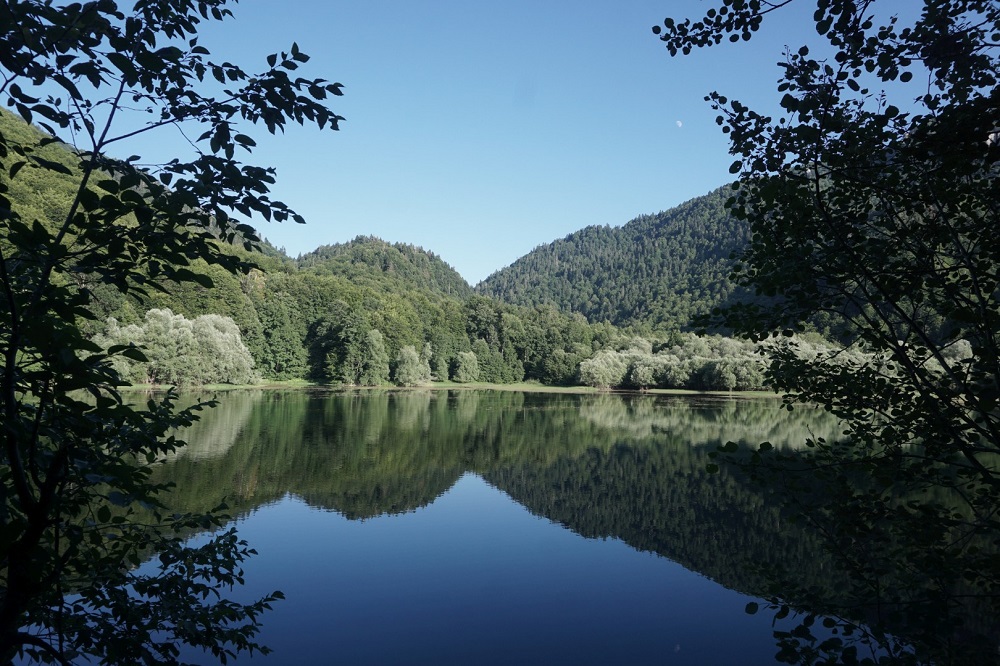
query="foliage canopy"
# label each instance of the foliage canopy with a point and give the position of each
(873, 200)
(75, 456)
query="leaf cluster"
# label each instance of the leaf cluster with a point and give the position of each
(872, 202)
(76, 457)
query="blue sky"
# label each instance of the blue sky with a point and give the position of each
(479, 131)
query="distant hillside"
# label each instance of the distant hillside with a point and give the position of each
(657, 269)
(414, 266)
(44, 195)
(352, 313)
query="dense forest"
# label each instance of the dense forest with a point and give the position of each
(658, 270)
(369, 313)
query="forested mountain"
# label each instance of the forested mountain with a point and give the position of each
(365, 257)
(347, 314)
(367, 311)
(658, 269)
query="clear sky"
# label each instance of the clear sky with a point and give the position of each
(479, 131)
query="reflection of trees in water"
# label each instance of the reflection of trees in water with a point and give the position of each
(627, 467)
(466, 405)
(370, 452)
(659, 498)
(707, 421)
(886, 575)
(218, 429)
(630, 467)
(411, 414)
(605, 466)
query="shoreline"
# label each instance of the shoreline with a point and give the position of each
(526, 387)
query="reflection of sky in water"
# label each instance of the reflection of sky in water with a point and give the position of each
(475, 578)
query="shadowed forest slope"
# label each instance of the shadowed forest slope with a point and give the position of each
(658, 269)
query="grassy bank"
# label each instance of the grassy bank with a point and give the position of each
(532, 387)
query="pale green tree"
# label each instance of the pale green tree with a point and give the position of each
(410, 369)
(644, 372)
(606, 369)
(427, 359)
(375, 364)
(466, 368)
(220, 347)
(181, 351)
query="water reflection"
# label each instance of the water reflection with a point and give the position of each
(374, 452)
(605, 466)
(629, 469)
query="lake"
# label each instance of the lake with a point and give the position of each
(476, 527)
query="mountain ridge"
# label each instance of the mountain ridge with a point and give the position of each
(659, 269)
(405, 261)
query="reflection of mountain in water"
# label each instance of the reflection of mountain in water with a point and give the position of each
(628, 467)
(648, 486)
(604, 466)
(374, 452)
(661, 499)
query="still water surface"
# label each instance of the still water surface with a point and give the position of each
(471, 527)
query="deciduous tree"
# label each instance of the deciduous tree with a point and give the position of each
(181, 351)
(466, 368)
(873, 202)
(411, 369)
(375, 366)
(74, 455)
